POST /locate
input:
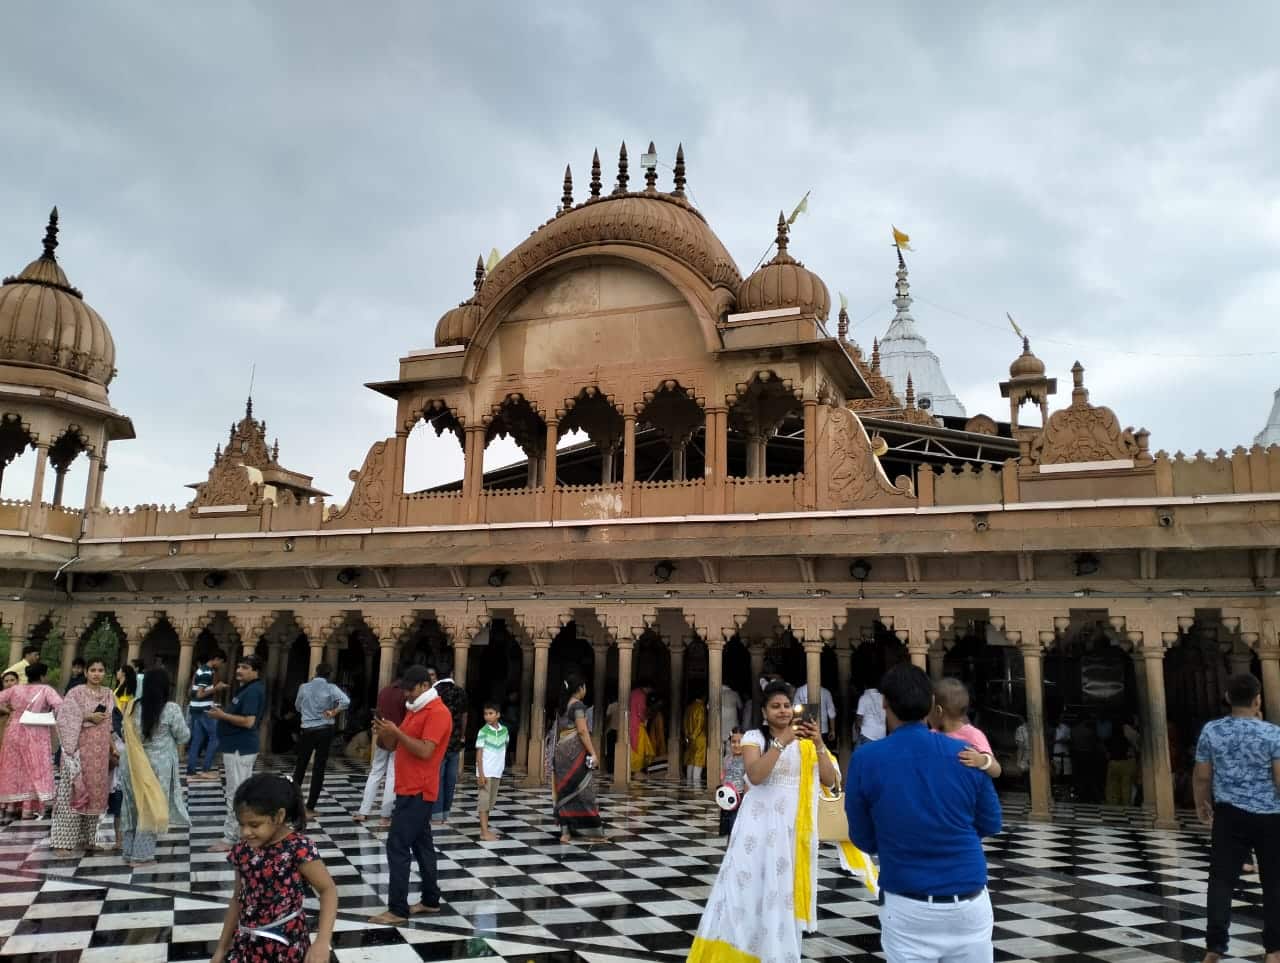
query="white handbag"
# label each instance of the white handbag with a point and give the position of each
(29, 718)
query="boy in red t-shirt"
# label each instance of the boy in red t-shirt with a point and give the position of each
(422, 740)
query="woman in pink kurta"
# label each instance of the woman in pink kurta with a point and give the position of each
(84, 728)
(26, 758)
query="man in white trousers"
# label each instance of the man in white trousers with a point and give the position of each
(383, 770)
(910, 799)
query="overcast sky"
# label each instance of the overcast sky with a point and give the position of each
(305, 187)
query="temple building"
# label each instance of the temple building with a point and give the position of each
(1270, 434)
(751, 492)
(905, 356)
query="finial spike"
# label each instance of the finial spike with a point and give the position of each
(621, 187)
(595, 174)
(679, 172)
(842, 324)
(911, 392)
(1026, 345)
(566, 200)
(248, 408)
(875, 355)
(651, 171)
(479, 278)
(783, 230)
(51, 236)
(275, 450)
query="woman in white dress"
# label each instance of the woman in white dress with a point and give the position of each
(765, 897)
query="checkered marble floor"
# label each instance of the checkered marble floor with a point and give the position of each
(1085, 889)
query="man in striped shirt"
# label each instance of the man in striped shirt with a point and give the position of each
(204, 730)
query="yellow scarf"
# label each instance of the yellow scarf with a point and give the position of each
(806, 832)
(153, 805)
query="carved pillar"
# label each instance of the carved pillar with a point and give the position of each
(70, 643)
(599, 701)
(538, 710)
(679, 454)
(811, 441)
(715, 680)
(622, 753)
(317, 644)
(716, 456)
(386, 660)
(675, 728)
(473, 470)
(917, 648)
(756, 650)
(59, 479)
(1269, 657)
(461, 650)
(549, 469)
(628, 453)
(134, 649)
(1151, 647)
(1030, 643)
(37, 480)
(526, 701)
(1145, 727)
(937, 657)
(91, 485)
(186, 652)
(17, 636)
(844, 741)
(813, 670)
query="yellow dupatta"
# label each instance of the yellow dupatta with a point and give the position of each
(151, 802)
(806, 835)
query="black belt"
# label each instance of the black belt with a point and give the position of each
(952, 898)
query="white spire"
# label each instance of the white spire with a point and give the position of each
(1270, 435)
(904, 351)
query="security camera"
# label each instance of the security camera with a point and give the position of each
(1164, 519)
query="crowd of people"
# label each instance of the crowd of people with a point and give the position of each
(919, 795)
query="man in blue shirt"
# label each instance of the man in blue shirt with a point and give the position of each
(204, 728)
(1237, 789)
(238, 738)
(911, 800)
(318, 703)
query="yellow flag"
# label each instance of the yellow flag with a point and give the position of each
(901, 240)
(494, 258)
(1016, 330)
(800, 209)
(844, 302)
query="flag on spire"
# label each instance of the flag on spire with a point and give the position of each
(494, 258)
(799, 209)
(844, 301)
(901, 240)
(1016, 330)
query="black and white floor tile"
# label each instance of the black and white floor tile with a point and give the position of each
(1096, 886)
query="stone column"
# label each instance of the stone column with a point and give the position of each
(628, 450)
(918, 649)
(386, 660)
(473, 470)
(318, 647)
(675, 730)
(811, 442)
(600, 702)
(844, 661)
(813, 669)
(1151, 647)
(622, 752)
(134, 649)
(937, 656)
(756, 650)
(186, 653)
(549, 469)
(715, 680)
(461, 649)
(70, 643)
(1269, 657)
(37, 479)
(17, 633)
(1145, 729)
(91, 486)
(1030, 643)
(538, 711)
(59, 479)
(526, 701)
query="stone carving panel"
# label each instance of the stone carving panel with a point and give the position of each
(855, 478)
(370, 499)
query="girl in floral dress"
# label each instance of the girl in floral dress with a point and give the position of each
(275, 863)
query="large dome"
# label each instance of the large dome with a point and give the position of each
(45, 322)
(784, 283)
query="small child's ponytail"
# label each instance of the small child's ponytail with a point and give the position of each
(267, 794)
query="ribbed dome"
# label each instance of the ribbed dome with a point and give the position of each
(44, 321)
(784, 283)
(458, 325)
(1026, 365)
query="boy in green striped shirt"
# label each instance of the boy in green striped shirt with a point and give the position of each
(491, 759)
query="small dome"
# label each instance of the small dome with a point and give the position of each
(458, 325)
(45, 323)
(1026, 365)
(784, 283)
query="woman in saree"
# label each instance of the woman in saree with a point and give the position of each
(638, 730)
(7, 681)
(765, 897)
(574, 765)
(26, 758)
(84, 729)
(154, 727)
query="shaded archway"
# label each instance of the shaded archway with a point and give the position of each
(680, 420)
(516, 418)
(596, 416)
